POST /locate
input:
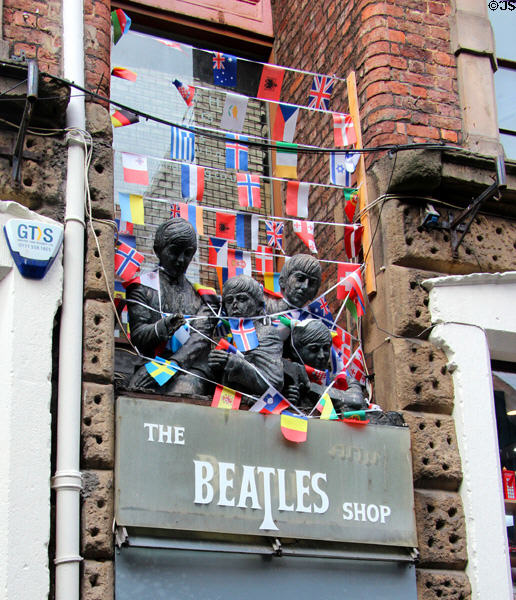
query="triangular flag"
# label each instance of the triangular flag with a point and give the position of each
(285, 123)
(325, 407)
(270, 83)
(226, 398)
(297, 199)
(343, 130)
(233, 113)
(305, 232)
(350, 286)
(135, 168)
(131, 208)
(294, 427)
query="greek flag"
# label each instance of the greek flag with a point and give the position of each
(182, 145)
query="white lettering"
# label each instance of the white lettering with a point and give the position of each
(348, 512)
(282, 492)
(248, 488)
(355, 511)
(373, 513)
(165, 435)
(267, 522)
(359, 512)
(302, 490)
(325, 503)
(385, 511)
(203, 475)
(179, 436)
(152, 427)
(225, 483)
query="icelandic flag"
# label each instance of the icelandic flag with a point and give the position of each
(244, 333)
(272, 403)
(322, 87)
(285, 123)
(192, 182)
(182, 145)
(249, 190)
(127, 261)
(217, 252)
(178, 338)
(224, 69)
(237, 154)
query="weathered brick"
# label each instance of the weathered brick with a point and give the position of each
(98, 345)
(97, 514)
(435, 584)
(100, 177)
(99, 261)
(98, 580)
(98, 426)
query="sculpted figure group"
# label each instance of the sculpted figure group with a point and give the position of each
(282, 354)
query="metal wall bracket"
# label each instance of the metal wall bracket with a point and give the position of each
(32, 96)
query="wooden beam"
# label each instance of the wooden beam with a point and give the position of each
(369, 273)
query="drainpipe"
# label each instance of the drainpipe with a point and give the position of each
(67, 480)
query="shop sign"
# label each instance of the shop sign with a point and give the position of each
(187, 467)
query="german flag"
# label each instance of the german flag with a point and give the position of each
(120, 118)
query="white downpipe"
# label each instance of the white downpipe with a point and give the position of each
(67, 480)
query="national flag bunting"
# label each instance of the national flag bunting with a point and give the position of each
(271, 284)
(124, 227)
(191, 213)
(320, 308)
(127, 261)
(325, 407)
(124, 73)
(248, 190)
(149, 279)
(121, 24)
(170, 44)
(182, 144)
(225, 345)
(208, 294)
(322, 87)
(270, 83)
(286, 160)
(239, 263)
(274, 233)
(294, 427)
(192, 182)
(178, 338)
(135, 168)
(237, 154)
(224, 69)
(233, 113)
(271, 402)
(119, 295)
(285, 122)
(225, 225)
(121, 118)
(161, 370)
(244, 333)
(187, 91)
(226, 398)
(343, 130)
(342, 164)
(217, 252)
(317, 376)
(297, 199)
(305, 232)
(131, 208)
(351, 199)
(264, 259)
(356, 366)
(350, 286)
(353, 240)
(246, 230)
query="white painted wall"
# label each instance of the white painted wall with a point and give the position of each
(27, 310)
(476, 319)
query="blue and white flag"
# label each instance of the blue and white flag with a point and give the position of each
(342, 164)
(179, 337)
(182, 146)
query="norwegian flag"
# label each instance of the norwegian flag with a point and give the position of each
(244, 333)
(186, 91)
(343, 130)
(264, 260)
(248, 190)
(274, 232)
(353, 239)
(322, 87)
(305, 232)
(127, 261)
(356, 366)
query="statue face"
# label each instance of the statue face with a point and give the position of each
(240, 304)
(175, 258)
(300, 288)
(315, 354)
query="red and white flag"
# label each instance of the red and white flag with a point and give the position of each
(297, 199)
(248, 190)
(135, 168)
(353, 239)
(350, 285)
(343, 130)
(356, 366)
(305, 232)
(264, 259)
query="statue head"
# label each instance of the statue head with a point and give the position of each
(242, 296)
(300, 279)
(175, 244)
(311, 343)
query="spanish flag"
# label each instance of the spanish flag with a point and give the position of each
(294, 427)
(120, 118)
(226, 398)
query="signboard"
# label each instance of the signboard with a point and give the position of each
(186, 467)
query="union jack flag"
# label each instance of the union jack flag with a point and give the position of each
(274, 231)
(322, 87)
(175, 211)
(244, 334)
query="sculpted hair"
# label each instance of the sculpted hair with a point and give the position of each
(177, 231)
(309, 332)
(301, 262)
(244, 283)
